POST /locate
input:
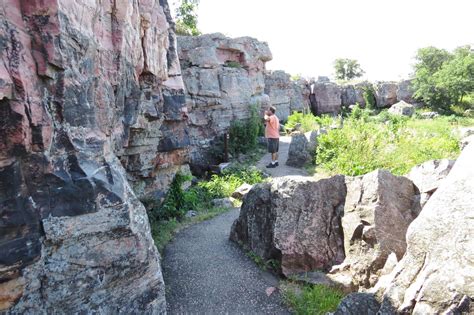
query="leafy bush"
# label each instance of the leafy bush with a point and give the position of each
(308, 122)
(386, 141)
(244, 133)
(369, 97)
(313, 299)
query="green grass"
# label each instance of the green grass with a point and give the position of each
(366, 143)
(308, 121)
(311, 299)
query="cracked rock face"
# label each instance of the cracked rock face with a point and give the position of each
(436, 275)
(91, 100)
(223, 78)
(378, 209)
(295, 221)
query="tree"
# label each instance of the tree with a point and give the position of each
(442, 78)
(186, 18)
(347, 69)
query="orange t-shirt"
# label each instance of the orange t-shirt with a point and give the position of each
(272, 129)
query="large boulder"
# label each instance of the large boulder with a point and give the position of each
(91, 101)
(378, 210)
(354, 93)
(428, 176)
(294, 220)
(224, 77)
(386, 93)
(405, 91)
(326, 98)
(436, 275)
(402, 109)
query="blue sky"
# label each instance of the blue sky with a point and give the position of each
(306, 36)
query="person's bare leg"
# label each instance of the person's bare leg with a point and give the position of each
(274, 157)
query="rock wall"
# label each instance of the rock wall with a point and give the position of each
(223, 78)
(90, 97)
(286, 95)
(436, 275)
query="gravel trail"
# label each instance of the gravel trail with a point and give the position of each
(206, 273)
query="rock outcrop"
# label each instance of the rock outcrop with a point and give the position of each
(402, 108)
(327, 98)
(295, 221)
(90, 97)
(354, 94)
(436, 275)
(302, 148)
(378, 210)
(428, 176)
(286, 95)
(224, 77)
(385, 93)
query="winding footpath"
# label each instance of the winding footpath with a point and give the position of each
(206, 273)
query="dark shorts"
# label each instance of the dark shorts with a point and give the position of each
(273, 145)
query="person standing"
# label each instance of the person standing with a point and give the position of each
(272, 133)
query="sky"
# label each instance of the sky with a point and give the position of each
(306, 36)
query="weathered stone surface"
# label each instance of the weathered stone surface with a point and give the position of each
(294, 220)
(222, 203)
(352, 94)
(90, 96)
(358, 304)
(428, 176)
(402, 109)
(436, 275)
(327, 98)
(241, 191)
(386, 93)
(405, 91)
(378, 210)
(286, 95)
(302, 148)
(429, 115)
(224, 77)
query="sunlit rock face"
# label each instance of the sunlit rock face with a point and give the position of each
(91, 102)
(224, 77)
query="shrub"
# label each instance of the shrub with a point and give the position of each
(369, 97)
(313, 299)
(244, 133)
(308, 121)
(386, 141)
(233, 64)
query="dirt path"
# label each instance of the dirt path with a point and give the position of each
(282, 169)
(205, 273)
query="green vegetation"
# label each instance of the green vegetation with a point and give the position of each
(311, 299)
(244, 133)
(347, 69)
(308, 122)
(270, 264)
(444, 79)
(369, 97)
(186, 18)
(167, 217)
(396, 143)
(233, 64)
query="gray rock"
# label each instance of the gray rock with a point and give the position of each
(402, 109)
(358, 304)
(241, 191)
(428, 176)
(429, 115)
(298, 154)
(405, 91)
(378, 210)
(327, 98)
(386, 93)
(294, 220)
(222, 203)
(436, 274)
(190, 214)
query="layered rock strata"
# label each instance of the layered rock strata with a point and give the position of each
(224, 78)
(90, 97)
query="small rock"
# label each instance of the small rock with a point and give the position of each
(240, 192)
(402, 108)
(358, 304)
(429, 115)
(190, 214)
(269, 291)
(222, 203)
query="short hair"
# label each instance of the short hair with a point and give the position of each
(272, 109)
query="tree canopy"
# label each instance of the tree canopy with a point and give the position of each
(442, 78)
(347, 69)
(186, 18)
